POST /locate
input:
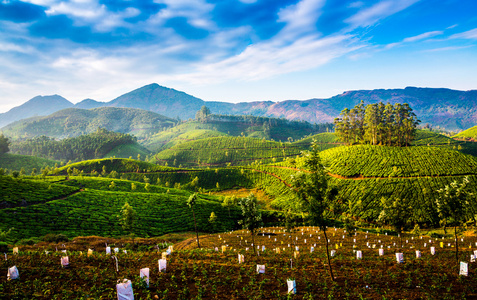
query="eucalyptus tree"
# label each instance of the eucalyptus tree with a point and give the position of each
(251, 216)
(455, 206)
(191, 203)
(315, 195)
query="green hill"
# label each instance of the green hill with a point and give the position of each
(185, 132)
(220, 151)
(97, 144)
(383, 161)
(88, 203)
(468, 134)
(365, 174)
(72, 122)
(28, 163)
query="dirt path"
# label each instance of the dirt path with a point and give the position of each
(25, 203)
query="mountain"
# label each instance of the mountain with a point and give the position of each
(161, 100)
(448, 109)
(89, 103)
(73, 122)
(37, 106)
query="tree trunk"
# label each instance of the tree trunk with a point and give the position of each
(196, 232)
(400, 236)
(253, 243)
(456, 245)
(328, 255)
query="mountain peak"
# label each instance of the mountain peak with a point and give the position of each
(36, 106)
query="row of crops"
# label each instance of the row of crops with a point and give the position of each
(383, 161)
(364, 196)
(222, 150)
(94, 212)
(18, 192)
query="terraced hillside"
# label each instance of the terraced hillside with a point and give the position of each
(222, 150)
(28, 163)
(383, 161)
(78, 207)
(84, 198)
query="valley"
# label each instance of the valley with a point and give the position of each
(71, 181)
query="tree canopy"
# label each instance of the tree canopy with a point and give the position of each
(377, 124)
(4, 143)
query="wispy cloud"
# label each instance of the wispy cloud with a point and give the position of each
(371, 15)
(468, 35)
(416, 38)
(422, 36)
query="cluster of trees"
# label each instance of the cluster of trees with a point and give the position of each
(377, 124)
(4, 143)
(84, 147)
(276, 128)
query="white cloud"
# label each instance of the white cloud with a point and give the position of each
(371, 15)
(10, 47)
(265, 60)
(416, 38)
(78, 9)
(422, 36)
(300, 18)
(196, 12)
(468, 35)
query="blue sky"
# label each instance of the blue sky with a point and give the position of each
(233, 50)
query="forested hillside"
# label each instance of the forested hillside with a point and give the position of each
(73, 122)
(89, 146)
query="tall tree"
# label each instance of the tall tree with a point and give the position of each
(203, 114)
(127, 217)
(4, 143)
(191, 202)
(454, 206)
(357, 115)
(251, 217)
(397, 213)
(316, 197)
(343, 126)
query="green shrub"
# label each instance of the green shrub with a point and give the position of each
(30, 241)
(55, 238)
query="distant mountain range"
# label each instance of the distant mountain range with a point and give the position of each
(449, 109)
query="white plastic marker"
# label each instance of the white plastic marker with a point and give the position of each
(291, 286)
(464, 269)
(124, 289)
(65, 262)
(13, 273)
(400, 258)
(261, 269)
(144, 273)
(162, 265)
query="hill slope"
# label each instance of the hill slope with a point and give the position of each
(73, 122)
(37, 106)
